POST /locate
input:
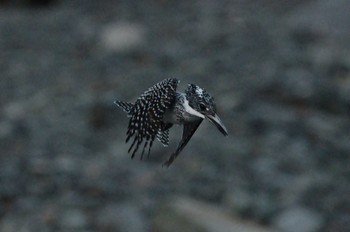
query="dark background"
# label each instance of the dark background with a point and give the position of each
(280, 75)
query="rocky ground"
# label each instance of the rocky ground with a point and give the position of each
(280, 74)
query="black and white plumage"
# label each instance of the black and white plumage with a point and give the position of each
(161, 106)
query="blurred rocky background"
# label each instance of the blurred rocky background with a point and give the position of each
(280, 74)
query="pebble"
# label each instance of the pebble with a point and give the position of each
(298, 218)
(74, 219)
(121, 37)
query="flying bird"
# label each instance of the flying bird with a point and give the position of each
(162, 106)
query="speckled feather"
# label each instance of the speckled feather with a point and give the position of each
(147, 113)
(127, 107)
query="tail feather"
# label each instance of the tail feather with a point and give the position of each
(127, 107)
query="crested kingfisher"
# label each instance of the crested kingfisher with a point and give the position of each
(162, 106)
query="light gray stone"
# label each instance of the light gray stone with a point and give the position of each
(298, 218)
(183, 214)
(330, 18)
(124, 217)
(121, 37)
(74, 219)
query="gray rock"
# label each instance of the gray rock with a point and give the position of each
(257, 205)
(298, 218)
(329, 18)
(120, 37)
(239, 200)
(73, 219)
(298, 83)
(124, 217)
(183, 214)
(6, 129)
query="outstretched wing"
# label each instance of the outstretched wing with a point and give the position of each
(147, 114)
(188, 131)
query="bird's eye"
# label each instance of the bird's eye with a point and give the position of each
(202, 107)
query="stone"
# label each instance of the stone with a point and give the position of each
(298, 218)
(185, 214)
(329, 18)
(121, 217)
(121, 37)
(73, 219)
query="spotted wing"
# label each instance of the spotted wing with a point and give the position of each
(163, 137)
(147, 114)
(127, 107)
(188, 131)
(163, 134)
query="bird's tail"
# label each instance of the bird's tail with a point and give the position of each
(127, 107)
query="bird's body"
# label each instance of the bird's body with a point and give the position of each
(162, 106)
(177, 113)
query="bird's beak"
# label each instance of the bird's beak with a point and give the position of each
(218, 123)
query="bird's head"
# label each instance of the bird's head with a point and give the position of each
(204, 106)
